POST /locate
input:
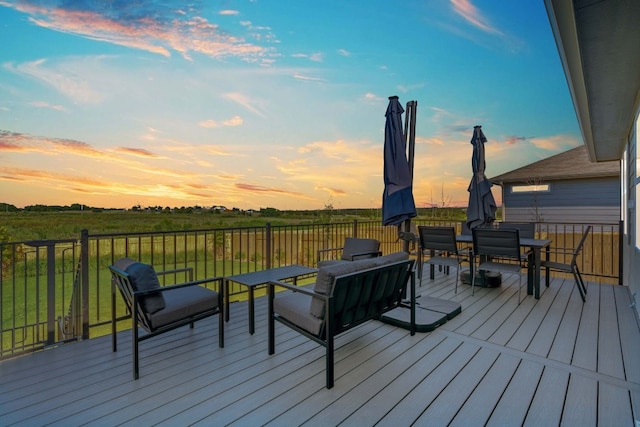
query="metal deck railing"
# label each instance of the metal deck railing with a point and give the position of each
(53, 291)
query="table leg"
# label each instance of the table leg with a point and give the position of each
(547, 251)
(431, 266)
(251, 311)
(226, 300)
(538, 255)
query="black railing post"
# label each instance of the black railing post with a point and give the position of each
(268, 232)
(355, 228)
(620, 251)
(84, 277)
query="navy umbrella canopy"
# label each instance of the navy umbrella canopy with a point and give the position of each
(397, 199)
(481, 210)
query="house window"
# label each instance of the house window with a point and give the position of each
(529, 188)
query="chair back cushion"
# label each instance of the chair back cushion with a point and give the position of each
(327, 276)
(527, 230)
(438, 239)
(144, 278)
(353, 245)
(499, 243)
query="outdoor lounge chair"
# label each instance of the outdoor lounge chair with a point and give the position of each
(159, 309)
(439, 243)
(354, 249)
(572, 267)
(499, 250)
(344, 295)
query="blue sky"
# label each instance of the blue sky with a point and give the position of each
(258, 103)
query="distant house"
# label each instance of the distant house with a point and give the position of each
(566, 187)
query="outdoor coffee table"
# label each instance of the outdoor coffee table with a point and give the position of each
(262, 277)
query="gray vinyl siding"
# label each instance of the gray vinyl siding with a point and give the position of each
(594, 200)
(585, 214)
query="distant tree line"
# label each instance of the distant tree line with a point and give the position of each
(6, 207)
(327, 214)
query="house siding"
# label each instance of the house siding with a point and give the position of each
(581, 200)
(583, 214)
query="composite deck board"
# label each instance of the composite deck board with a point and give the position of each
(453, 397)
(553, 361)
(427, 388)
(609, 347)
(548, 401)
(565, 337)
(514, 403)
(480, 405)
(585, 354)
(581, 402)
(545, 335)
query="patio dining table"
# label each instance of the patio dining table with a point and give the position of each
(536, 245)
(262, 277)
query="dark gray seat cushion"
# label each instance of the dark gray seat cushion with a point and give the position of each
(144, 278)
(182, 303)
(294, 307)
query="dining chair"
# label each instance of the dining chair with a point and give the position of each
(440, 244)
(527, 229)
(499, 250)
(572, 266)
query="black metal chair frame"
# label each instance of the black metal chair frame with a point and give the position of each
(572, 267)
(499, 250)
(356, 298)
(140, 318)
(440, 244)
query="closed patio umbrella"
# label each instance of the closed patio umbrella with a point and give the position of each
(481, 210)
(397, 199)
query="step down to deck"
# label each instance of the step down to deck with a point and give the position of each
(430, 313)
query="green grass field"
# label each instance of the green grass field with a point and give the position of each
(22, 226)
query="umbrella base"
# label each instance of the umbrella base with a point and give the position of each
(487, 279)
(430, 313)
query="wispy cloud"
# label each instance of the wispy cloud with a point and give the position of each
(43, 104)
(150, 26)
(299, 76)
(65, 81)
(372, 97)
(315, 57)
(408, 88)
(332, 191)
(473, 15)
(515, 139)
(245, 101)
(557, 143)
(259, 189)
(20, 142)
(212, 124)
(138, 152)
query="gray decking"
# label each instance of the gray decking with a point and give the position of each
(552, 361)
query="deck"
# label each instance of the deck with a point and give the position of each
(552, 361)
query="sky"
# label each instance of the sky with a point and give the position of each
(252, 104)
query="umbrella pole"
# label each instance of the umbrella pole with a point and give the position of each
(410, 142)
